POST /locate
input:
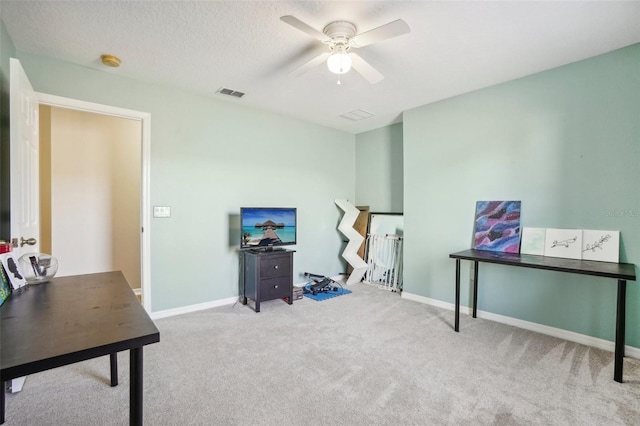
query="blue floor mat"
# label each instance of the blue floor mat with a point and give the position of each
(324, 295)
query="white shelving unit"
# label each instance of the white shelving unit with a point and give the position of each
(350, 253)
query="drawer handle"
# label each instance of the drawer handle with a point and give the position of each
(275, 286)
(275, 266)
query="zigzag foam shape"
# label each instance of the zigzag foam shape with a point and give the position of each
(350, 253)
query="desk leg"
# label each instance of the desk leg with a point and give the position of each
(475, 289)
(457, 320)
(620, 320)
(135, 389)
(113, 359)
(2, 396)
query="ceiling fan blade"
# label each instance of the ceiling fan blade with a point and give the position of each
(312, 63)
(386, 31)
(366, 70)
(305, 28)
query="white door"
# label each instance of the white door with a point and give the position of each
(24, 142)
(24, 169)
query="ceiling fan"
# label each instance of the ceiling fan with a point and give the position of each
(341, 37)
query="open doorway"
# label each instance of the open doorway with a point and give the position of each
(90, 192)
(95, 215)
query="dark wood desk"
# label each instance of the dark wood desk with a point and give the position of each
(619, 271)
(72, 319)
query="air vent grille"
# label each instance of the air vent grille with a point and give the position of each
(357, 115)
(229, 92)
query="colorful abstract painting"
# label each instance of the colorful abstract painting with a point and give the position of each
(497, 226)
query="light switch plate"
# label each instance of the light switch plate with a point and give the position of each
(161, 211)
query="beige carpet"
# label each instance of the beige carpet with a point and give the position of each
(365, 358)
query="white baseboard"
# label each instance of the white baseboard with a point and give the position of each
(571, 336)
(193, 308)
(213, 304)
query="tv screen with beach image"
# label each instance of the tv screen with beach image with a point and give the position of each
(267, 227)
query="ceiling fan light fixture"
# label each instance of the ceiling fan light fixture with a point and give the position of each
(341, 36)
(339, 62)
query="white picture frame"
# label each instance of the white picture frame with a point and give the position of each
(566, 243)
(12, 269)
(603, 246)
(532, 241)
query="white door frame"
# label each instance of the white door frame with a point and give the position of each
(145, 119)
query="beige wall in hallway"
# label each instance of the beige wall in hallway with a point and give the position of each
(95, 193)
(44, 116)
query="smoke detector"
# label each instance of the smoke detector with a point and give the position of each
(110, 60)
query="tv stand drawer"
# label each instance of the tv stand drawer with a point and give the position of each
(275, 266)
(275, 288)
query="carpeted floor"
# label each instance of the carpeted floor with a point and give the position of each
(364, 358)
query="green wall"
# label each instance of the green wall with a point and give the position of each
(7, 50)
(209, 157)
(567, 143)
(379, 181)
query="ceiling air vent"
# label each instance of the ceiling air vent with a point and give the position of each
(357, 115)
(229, 92)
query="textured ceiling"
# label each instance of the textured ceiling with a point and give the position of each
(454, 47)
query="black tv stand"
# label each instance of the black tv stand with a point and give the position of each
(267, 275)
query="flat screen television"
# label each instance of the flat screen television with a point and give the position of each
(267, 227)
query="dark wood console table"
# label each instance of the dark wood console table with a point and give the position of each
(622, 272)
(72, 319)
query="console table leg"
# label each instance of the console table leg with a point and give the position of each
(475, 289)
(456, 327)
(113, 360)
(2, 401)
(135, 387)
(620, 321)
